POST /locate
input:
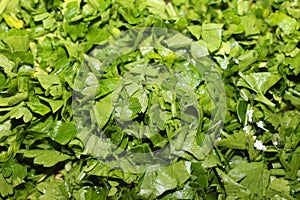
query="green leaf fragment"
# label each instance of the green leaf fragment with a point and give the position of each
(167, 178)
(252, 176)
(235, 141)
(47, 158)
(5, 188)
(38, 107)
(103, 110)
(13, 21)
(157, 7)
(13, 100)
(198, 50)
(250, 24)
(260, 83)
(178, 41)
(17, 40)
(14, 170)
(54, 104)
(232, 188)
(54, 189)
(285, 22)
(63, 132)
(3, 5)
(211, 35)
(195, 30)
(6, 64)
(247, 59)
(47, 81)
(279, 186)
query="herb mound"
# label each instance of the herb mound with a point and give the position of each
(73, 128)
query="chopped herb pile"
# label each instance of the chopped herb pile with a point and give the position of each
(212, 112)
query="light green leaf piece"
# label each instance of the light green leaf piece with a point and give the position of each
(232, 188)
(293, 62)
(6, 64)
(190, 144)
(47, 81)
(36, 106)
(108, 85)
(133, 87)
(158, 116)
(95, 146)
(246, 59)
(123, 113)
(243, 7)
(178, 41)
(167, 178)
(285, 22)
(143, 100)
(195, 30)
(102, 110)
(55, 91)
(211, 160)
(260, 82)
(11, 112)
(295, 166)
(135, 106)
(44, 126)
(100, 5)
(3, 81)
(260, 97)
(27, 115)
(47, 158)
(54, 104)
(19, 113)
(279, 186)
(13, 7)
(41, 16)
(235, 141)
(157, 7)
(252, 176)
(53, 190)
(74, 50)
(186, 193)
(17, 39)
(14, 170)
(3, 5)
(13, 100)
(250, 24)
(71, 11)
(112, 191)
(49, 22)
(13, 21)
(63, 132)
(128, 16)
(198, 50)
(5, 188)
(211, 35)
